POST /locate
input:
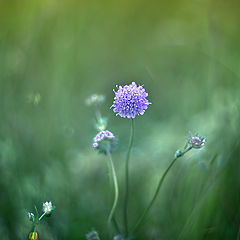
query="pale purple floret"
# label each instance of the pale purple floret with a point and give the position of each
(95, 145)
(103, 135)
(196, 141)
(130, 100)
(103, 140)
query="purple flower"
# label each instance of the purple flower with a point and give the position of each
(103, 140)
(196, 141)
(130, 100)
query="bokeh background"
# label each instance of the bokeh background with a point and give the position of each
(54, 54)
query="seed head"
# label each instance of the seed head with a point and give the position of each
(130, 100)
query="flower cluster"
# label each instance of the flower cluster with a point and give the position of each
(47, 208)
(130, 100)
(105, 140)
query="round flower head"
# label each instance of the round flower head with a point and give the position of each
(196, 141)
(47, 208)
(130, 100)
(104, 140)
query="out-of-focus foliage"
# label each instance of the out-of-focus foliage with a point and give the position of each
(54, 54)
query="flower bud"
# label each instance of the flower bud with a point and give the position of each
(178, 153)
(31, 216)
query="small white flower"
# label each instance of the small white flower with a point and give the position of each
(47, 207)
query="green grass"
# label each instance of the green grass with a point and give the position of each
(186, 53)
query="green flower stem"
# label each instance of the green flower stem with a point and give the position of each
(34, 232)
(98, 113)
(115, 184)
(115, 224)
(142, 218)
(42, 216)
(125, 217)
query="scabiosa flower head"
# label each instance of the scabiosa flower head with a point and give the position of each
(130, 100)
(105, 140)
(196, 141)
(47, 208)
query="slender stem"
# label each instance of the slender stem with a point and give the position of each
(142, 218)
(115, 224)
(115, 184)
(125, 217)
(98, 113)
(42, 216)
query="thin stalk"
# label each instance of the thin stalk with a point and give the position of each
(98, 113)
(142, 218)
(42, 216)
(115, 224)
(125, 217)
(115, 184)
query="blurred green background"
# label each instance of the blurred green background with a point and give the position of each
(54, 54)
